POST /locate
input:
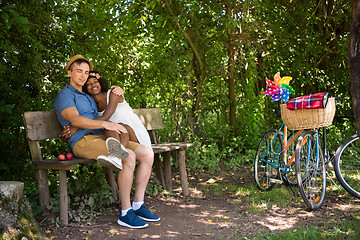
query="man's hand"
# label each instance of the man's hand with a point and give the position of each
(118, 91)
(115, 127)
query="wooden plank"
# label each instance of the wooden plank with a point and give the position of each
(150, 117)
(73, 161)
(165, 147)
(41, 125)
(55, 164)
(109, 175)
(55, 167)
(43, 187)
(183, 174)
(167, 171)
(158, 169)
(41, 175)
(64, 208)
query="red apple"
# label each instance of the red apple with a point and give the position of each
(61, 157)
(69, 156)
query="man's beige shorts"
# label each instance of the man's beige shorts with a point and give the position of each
(92, 146)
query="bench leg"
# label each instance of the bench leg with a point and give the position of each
(109, 175)
(43, 186)
(158, 169)
(167, 171)
(63, 198)
(183, 174)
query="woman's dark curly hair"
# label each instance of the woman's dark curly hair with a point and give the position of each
(103, 82)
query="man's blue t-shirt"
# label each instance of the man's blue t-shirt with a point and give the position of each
(86, 106)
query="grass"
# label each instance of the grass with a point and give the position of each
(344, 231)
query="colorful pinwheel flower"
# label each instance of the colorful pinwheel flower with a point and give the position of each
(279, 88)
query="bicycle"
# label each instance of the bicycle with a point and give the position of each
(299, 160)
(271, 161)
(311, 166)
(347, 165)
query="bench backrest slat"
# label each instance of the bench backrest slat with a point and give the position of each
(150, 117)
(42, 125)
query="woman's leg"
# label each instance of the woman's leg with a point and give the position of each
(132, 135)
(123, 137)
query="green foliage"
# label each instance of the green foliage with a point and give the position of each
(154, 188)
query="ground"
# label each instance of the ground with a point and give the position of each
(224, 205)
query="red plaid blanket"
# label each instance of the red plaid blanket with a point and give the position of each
(312, 101)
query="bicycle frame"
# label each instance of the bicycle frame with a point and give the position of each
(309, 151)
(286, 146)
(326, 155)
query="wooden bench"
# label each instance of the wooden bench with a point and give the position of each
(43, 125)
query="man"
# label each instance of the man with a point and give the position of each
(74, 107)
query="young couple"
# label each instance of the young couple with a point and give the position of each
(96, 138)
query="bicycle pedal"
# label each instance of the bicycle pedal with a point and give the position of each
(278, 181)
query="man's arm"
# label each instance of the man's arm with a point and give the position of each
(72, 115)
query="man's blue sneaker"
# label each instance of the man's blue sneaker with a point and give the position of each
(131, 220)
(146, 215)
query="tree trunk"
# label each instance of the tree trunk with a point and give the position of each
(231, 70)
(354, 61)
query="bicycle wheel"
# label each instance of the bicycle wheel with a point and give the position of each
(267, 159)
(347, 165)
(310, 170)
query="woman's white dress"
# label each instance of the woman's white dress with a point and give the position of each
(124, 114)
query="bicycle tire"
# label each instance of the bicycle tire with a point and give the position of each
(268, 156)
(310, 171)
(347, 165)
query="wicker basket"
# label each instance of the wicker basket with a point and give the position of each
(308, 118)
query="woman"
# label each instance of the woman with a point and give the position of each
(98, 88)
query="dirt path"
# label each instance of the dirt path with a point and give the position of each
(214, 213)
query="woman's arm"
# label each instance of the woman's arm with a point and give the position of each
(68, 132)
(114, 99)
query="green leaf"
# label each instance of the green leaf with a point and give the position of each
(91, 202)
(5, 16)
(22, 20)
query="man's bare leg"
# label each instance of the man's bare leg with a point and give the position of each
(125, 180)
(145, 156)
